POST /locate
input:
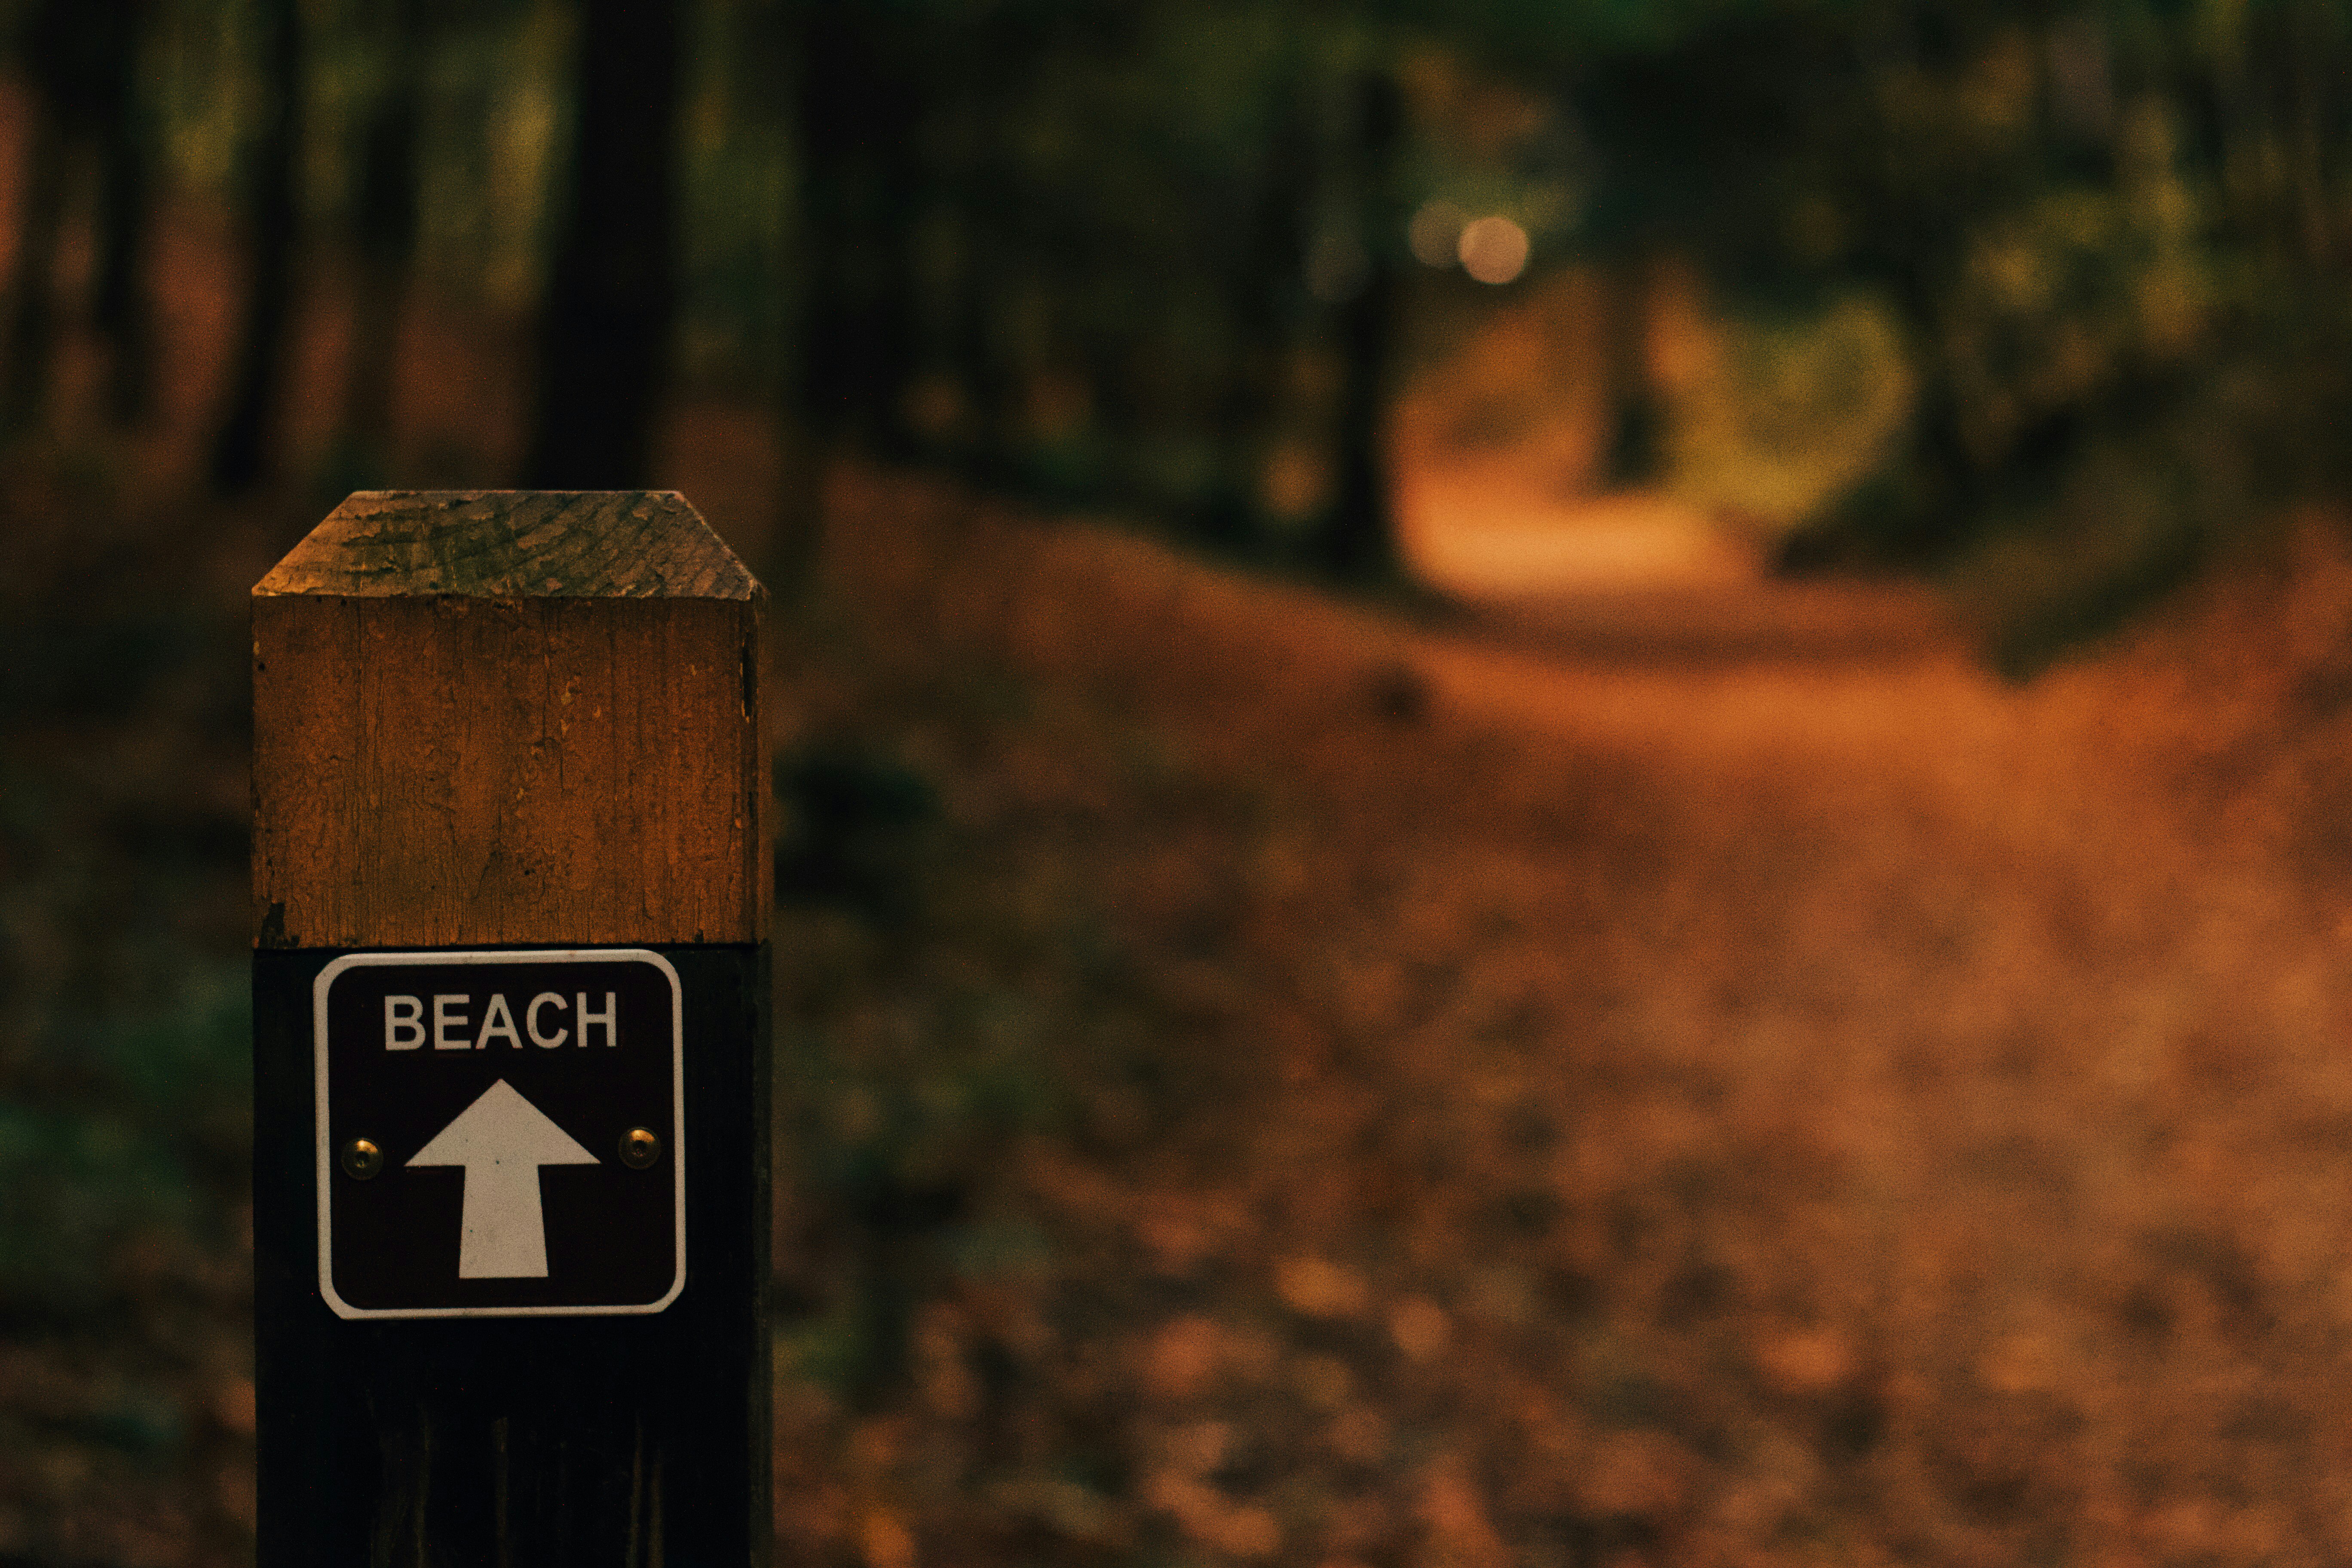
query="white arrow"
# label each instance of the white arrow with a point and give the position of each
(502, 1140)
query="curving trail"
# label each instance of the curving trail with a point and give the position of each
(1536, 1103)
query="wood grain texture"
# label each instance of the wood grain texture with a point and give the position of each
(513, 545)
(508, 716)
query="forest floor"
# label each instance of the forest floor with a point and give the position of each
(1268, 1079)
(1332, 1090)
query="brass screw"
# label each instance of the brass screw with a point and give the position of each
(361, 1159)
(639, 1149)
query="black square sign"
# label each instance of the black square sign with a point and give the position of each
(500, 1134)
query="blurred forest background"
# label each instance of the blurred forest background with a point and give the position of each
(2067, 271)
(1261, 1080)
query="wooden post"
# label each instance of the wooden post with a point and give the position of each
(511, 886)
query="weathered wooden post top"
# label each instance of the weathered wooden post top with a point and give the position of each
(512, 884)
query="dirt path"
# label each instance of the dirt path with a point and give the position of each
(1522, 1109)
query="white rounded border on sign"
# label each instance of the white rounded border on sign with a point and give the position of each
(319, 989)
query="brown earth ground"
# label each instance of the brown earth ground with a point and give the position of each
(1276, 1080)
(1533, 1113)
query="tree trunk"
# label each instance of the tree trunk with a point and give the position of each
(242, 452)
(984, 372)
(121, 311)
(861, 189)
(1635, 431)
(796, 546)
(118, 124)
(384, 229)
(604, 323)
(823, 63)
(1357, 541)
(848, 366)
(1112, 361)
(1259, 286)
(82, 56)
(32, 281)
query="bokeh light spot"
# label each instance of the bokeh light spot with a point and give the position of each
(1435, 233)
(1494, 249)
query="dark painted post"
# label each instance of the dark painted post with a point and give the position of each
(511, 997)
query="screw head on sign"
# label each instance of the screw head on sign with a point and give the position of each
(361, 1159)
(639, 1148)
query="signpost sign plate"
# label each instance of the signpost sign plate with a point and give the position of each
(501, 1133)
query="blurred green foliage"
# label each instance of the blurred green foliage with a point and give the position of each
(125, 1048)
(118, 1126)
(2112, 236)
